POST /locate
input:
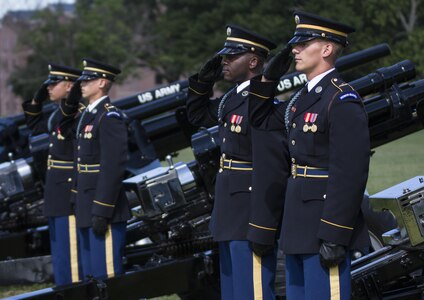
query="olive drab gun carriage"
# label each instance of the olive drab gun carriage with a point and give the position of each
(169, 249)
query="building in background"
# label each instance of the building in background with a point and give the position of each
(11, 57)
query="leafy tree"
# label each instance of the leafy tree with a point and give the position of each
(100, 29)
(190, 31)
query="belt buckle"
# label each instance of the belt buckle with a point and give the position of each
(294, 170)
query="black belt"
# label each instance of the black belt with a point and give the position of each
(231, 164)
(82, 168)
(60, 164)
(309, 172)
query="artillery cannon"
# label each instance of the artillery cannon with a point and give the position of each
(168, 233)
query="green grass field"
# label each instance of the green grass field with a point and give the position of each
(391, 164)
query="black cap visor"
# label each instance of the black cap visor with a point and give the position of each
(53, 79)
(231, 48)
(88, 77)
(301, 38)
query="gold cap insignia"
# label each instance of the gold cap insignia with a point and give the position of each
(84, 63)
(50, 67)
(296, 19)
(228, 31)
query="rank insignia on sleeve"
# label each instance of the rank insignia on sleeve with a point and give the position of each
(113, 114)
(348, 95)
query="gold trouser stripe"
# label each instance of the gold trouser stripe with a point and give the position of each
(257, 277)
(334, 283)
(73, 248)
(110, 268)
(337, 225)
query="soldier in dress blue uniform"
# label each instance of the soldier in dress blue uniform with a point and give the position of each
(329, 150)
(101, 144)
(57, 203)
(242, 223)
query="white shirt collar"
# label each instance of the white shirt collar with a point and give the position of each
(91, 106)
(242, 86)
(311, 84)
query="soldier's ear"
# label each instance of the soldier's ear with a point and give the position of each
(327, 50)
(68, 86)
(253, 62)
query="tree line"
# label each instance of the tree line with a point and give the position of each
(174, 37)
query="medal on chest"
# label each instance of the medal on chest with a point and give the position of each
(235, 123)
(310, 119)
(87, 131)
(59, 134)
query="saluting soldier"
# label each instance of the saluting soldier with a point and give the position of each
(244, 227)
(101, 206)
(57, 203)
(328, 147)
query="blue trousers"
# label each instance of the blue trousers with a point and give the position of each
(307, 279)
(244, 275)
(101, 256)
(64, 249)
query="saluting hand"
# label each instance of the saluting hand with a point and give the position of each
(211, 71)
(279, 64)
(41, 94)
(75, 94)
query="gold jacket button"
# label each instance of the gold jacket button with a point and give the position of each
(69, 179)
(294, 125)
(293, 142)
(324, 196)
(79, 159)
(293, 160)
(225, 124)
(50, 145)
(223, 140)
(250, 188)
(220, 170)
